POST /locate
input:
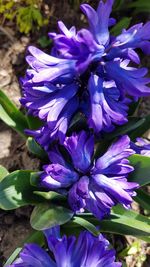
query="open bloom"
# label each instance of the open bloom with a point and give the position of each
(84, 251)
(92, 184)
(87, 62)
(141, 146)
(106, 107)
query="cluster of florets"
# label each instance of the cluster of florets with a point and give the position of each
(89, 73)
(86, 251)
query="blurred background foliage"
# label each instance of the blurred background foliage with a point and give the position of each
(30, 15)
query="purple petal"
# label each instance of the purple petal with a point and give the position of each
(80, 147)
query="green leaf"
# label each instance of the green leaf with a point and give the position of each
(141, 174)
(117, 5)
(133, 107)
(35, 149)
(144, 4)
(122, 24)
(53, 196)
(44, 41)
(142, 128)
(47, 215)
(78, 123)
(143, 199)
(121, 221)
(127, 222)
(86, 224)
(34, 122)
(132, 124)
(3, 172)
(35, 237)
(13, 256)
(16, 190)
(11, 115)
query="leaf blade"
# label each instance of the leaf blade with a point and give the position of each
(16, 190)
(11, 115)
(46, 215)
(141, 173)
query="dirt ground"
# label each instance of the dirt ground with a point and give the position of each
(14, 225)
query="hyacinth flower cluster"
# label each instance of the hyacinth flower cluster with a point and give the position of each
(64, 251)
(91, 184)
(94, 76)
(88, 71)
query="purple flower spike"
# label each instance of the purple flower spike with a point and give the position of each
(86, 250)
(94, 62)
(141, 146)
(95, 185)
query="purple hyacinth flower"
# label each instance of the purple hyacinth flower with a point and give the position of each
(128, 80)
(99, 20)
(48, 68)
(57, 176)
(79, 46)
(80, 148)
(45, 135)
(91, 184)
(141, 146)
(106, 107)
(77, 57)
(86, 250)
(47, 102)
(136, 37)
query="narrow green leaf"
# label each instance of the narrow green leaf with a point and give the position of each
(86, 224)
(143, 199)
(140, 4)
(3, 172)
(132, 124)
(35, 237)
(121, 221)
(13, 256)
(129, 222)
(35, 149)
(78, 123)
(34, 122)
(133, 107)
(16, 190)
(120, 210)
(47, 215)
(122, 24)
(141, 129)
(118, 5)
(141, 174)
(11, 115)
